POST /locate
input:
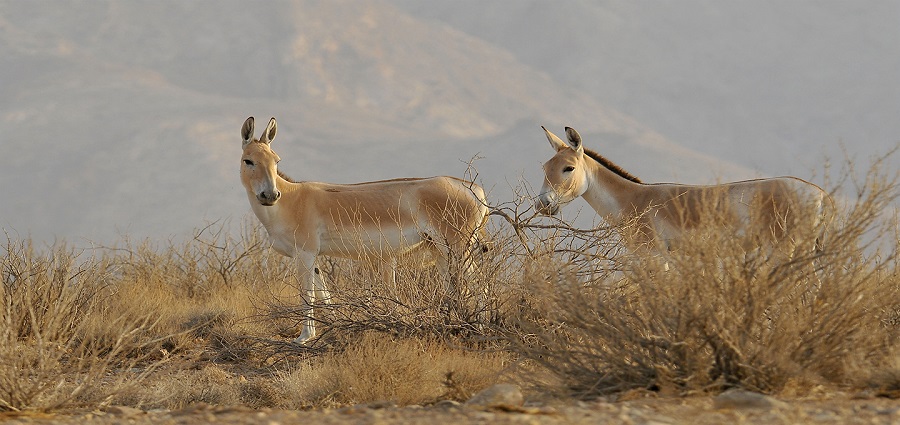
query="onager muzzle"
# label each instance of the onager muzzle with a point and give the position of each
(545, 205)
(269, 197)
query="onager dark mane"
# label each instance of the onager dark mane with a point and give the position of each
(286, 177)
(611, 166)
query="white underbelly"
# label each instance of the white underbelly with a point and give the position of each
(667, 234)
(362, 243)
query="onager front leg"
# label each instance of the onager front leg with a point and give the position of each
(309, 277)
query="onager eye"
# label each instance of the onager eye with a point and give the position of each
(568, 169)
(248, 162)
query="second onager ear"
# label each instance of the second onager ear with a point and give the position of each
(247, 131)
(269, 134)
(574, 139)
(555, 141)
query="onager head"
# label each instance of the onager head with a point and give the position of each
(565, 175)
(259, 164)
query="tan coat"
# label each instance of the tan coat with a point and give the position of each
(379, 219)
(664, 212)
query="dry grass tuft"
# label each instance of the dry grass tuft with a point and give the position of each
(58, 337)
(378, 368)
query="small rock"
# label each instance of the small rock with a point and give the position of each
(123, 411)
(381, 404)
(743, 399)
(354, 409)
(500, 396)
(447, 404)
(866, 394)
(193, 409)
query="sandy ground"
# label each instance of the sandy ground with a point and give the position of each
(649, 411)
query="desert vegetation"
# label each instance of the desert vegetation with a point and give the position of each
(572, 313)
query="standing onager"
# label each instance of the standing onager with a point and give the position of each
(663, 212)
(382, 219)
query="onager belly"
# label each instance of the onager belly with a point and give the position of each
(363, 243)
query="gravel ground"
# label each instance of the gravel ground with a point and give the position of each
(744, 408)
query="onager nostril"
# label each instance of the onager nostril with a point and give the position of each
(267, 197)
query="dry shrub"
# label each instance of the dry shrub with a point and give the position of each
(377, 367)
(210, 383)
(726, 312)
(49, 357)
(183, 387)
(407, 296)
(388, 335)
(204, 291)
(78, 330)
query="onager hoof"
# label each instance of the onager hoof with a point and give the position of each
(303, 340)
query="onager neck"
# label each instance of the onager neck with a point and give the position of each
(608, 193)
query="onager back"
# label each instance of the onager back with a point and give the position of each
(379, 219)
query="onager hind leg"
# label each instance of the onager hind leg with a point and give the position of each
(458, 265)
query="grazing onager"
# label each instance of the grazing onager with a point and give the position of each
(663, 212)
(380, 219)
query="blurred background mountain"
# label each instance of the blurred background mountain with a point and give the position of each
(123, 117)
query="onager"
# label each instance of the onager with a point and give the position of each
(662, 213)
(379, 219)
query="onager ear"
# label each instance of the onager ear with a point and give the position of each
(247, 132)
(574, 140)
(269, 134)
(555, 142)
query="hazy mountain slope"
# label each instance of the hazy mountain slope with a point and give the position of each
(124, 116)
(772, 85)
(368, 59)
